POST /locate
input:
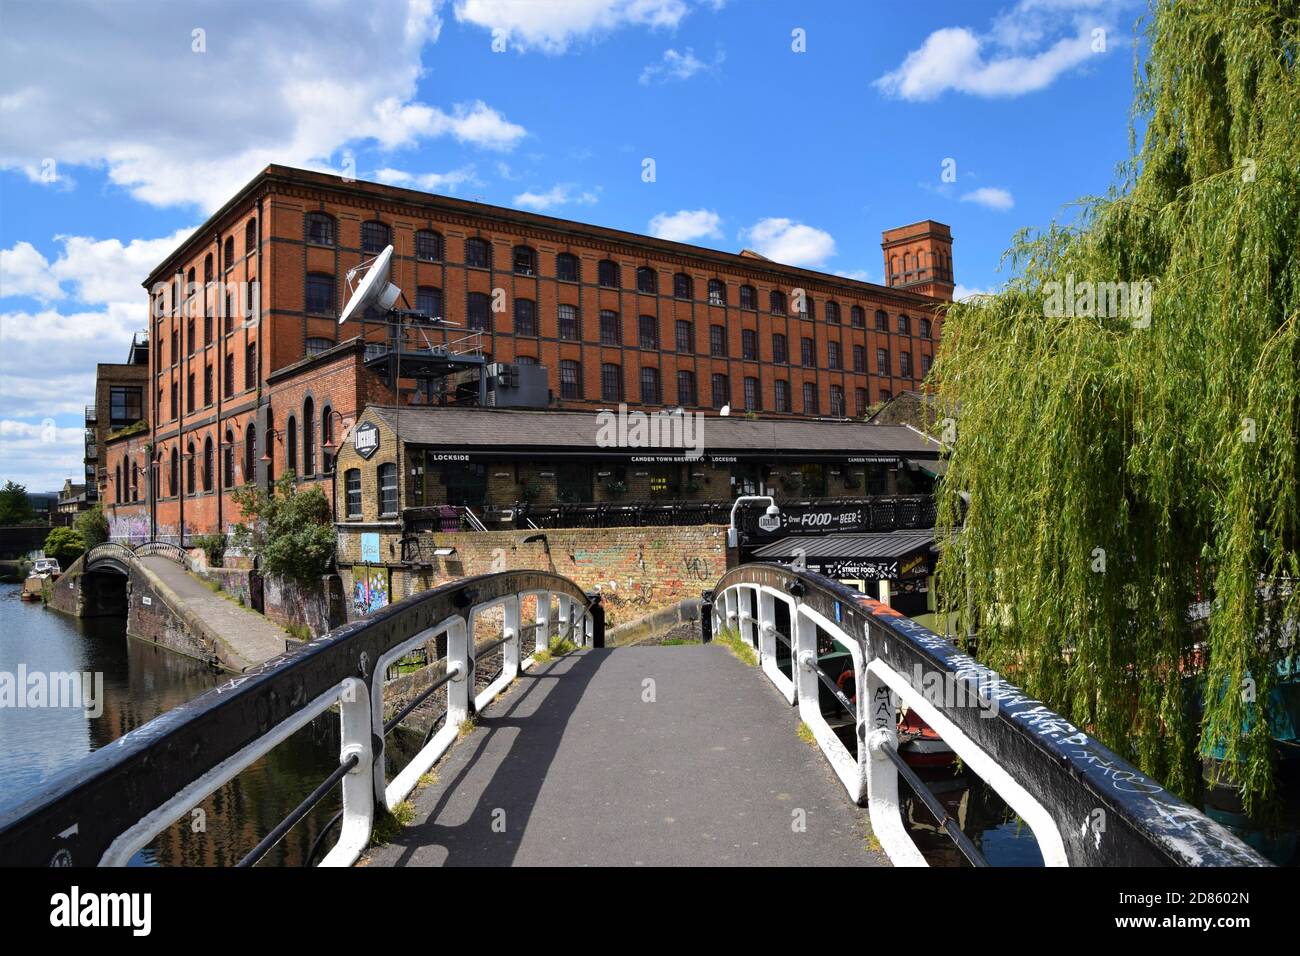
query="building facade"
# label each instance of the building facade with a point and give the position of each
(244, 322)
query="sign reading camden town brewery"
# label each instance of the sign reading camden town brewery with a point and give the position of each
(365, 439)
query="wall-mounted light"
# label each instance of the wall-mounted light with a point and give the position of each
(443, 552)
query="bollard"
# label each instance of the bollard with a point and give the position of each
(706, 617)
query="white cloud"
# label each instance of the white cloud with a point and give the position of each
(124, 90)
(991, 197)
(24, 271)
(1027, 48)
(100, 271)
(40, 456)
(861, 275)
(962, 293)
(432, 182)
(783, 240)
(678, 66)
(561, 194)
(687, 225)
(552, 26)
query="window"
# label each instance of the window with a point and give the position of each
(609, 330)
(882, 321)
(478, 253)
(904, 325)
(525, 359)
(837, 401)
(717, 340)
(570, 379)
(525, 317)
(125, 406)
(291, 445)
(175, 404)
(781, 394)
(648, 332)
(749, 345)
(748, 297)
(250, 237)
(611, 382)
(250, 367)
(174, 473)
(833, 312)
(685, 332)
(478, 315)
(833, 355)
(228, 248)
(318, 229)
(607, 273)
(189, 393)
(525, 261)
(860, 401)
(646, 280)
(250, 311)
(859, 359)
(882, 361)
(352, 492)
(807, 353)
(717, 292)
(250, 453)
(776, 302)
(428, 301)
(135, 481)
(207, 268)
(326, 440)
(721, 390)
(228, 379)
(905, 364)
(753, 395)
(270, 448)
(387, 476)
(925, 364)
(207, 384)
(807, 307)
(570, 328)
(886, 395)
(686, 388)
(374, 236)
(208, 463)
(428, 246)
(308, 437)
(190, 285)
(320, 293)
(810, 398)
(650, 386)
(683, 287)
(207, 318)
(117, 483)
(190, 484)
(858, 317)
(228, 460)
(780, 349)
(924, 326)
(566, 267)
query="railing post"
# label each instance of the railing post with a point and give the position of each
(804, 648)
(511, 649)
(706, 616)
(358, 784)
(595, 619)
(542, 633)
(460, 656)
(745, 598)
(766, 629)
(563, 605)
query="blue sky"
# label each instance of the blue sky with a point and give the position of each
(799, 129)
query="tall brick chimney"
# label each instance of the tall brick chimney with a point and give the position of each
(919, 258)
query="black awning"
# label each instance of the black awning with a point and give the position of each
(888, 556)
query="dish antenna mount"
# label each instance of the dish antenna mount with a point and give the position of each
(374, 289)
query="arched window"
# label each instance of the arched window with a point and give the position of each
(717, 292)
(308, 437)
(316, 345)
(374, 236)
(135, 481)
(327, 439)
(250, 365)
(607, 273)
(776, 300)
(525, 261)
(833, 312)
(683, 286)
(428, 246)
(387, 475)
(250, 453)
(748, 297)
(479, 314)
(268, 456)
(858, 317)
(190, 485)
(428, 301)
(318, 229)
(117, 483)
(646, 280)
(291, 446)
(207, 269)
(191, 286)
(228, 460)
(250, 237)
(229, 252)
(478, 253)
(566, 267)
(904, 325)
(882, 320)
(174, 476)
(208, 463)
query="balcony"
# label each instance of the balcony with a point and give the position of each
(92, 416)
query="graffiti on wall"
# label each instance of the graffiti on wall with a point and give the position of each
(128, 529)
(369, 588)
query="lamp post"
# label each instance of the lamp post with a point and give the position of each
(733, 535)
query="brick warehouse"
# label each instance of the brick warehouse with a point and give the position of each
(252, 376)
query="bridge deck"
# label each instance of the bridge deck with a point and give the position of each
(587, 772)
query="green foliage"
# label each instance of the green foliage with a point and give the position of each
(213, 547)
(65, 545)
(290, 530)
(15, 506)
(1116, 471)
(93, 525)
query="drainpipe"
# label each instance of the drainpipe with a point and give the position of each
(181, 369)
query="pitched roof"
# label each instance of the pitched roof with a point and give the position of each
(864, 545)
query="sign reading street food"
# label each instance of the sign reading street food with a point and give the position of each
(365, 439)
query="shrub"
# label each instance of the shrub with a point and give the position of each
(65, 545)
(93, 525)
(213, 547)
(288, 531)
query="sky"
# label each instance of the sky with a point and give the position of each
(798, 129)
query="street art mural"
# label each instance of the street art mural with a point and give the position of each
(369, 588)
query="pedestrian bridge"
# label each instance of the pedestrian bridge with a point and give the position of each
(656, 755)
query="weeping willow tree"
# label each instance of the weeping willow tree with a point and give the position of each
(1120, 460)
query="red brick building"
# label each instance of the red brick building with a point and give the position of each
(252, 375)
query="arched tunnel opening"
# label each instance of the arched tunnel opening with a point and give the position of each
(104, 593)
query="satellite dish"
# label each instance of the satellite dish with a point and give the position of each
(374, 289)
